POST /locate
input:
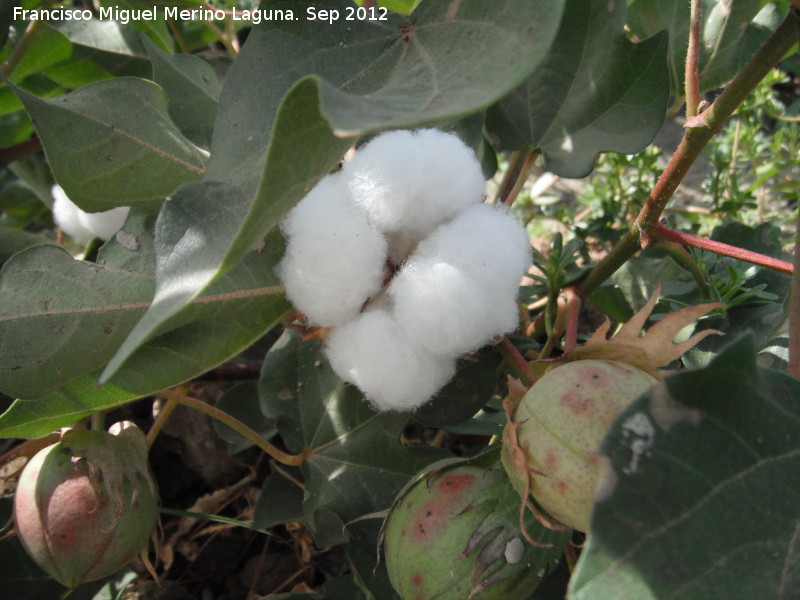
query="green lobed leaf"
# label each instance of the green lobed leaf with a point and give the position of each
(596, 91)
(271, 143)
(112, 143)
(192, 90)
(725, 36)
(701, 495)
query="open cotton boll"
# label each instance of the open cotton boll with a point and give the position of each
(459, 289)
(446, 310)
(105, 224)
(82, 226)
(412, 181)
(373, 353)
(67, 217)
(334, 260)
(486, 242)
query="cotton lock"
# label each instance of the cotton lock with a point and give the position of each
(397, 253)
(82, 226)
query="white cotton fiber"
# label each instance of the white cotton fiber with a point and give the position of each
(459, 289)
(82, 226)
(334, 260)
(374, 353)
(105, 224)
(487, 242)
(412, 181)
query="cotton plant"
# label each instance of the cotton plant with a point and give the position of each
(82, 226)
(399, 258)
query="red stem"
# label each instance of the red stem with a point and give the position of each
(665, 233)
(517, 361)
(573, 312)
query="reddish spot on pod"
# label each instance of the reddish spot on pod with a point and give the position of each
(453, 483)
(562, 486)
(575, 403)
(594, 376)
(551, 460)
(416, 579)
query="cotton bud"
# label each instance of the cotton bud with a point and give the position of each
(334, 261)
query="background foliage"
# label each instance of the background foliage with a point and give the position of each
(212, 131)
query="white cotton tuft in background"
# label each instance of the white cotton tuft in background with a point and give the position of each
(82, 226)
(458, 291)
(334, 260)
(374, 353)
(412, 181)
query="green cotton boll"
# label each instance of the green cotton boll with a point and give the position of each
(454, 534)
(85, 506)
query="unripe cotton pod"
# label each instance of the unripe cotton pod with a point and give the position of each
(85, 506)
(554, 432)
(454, 535)
(558, 427)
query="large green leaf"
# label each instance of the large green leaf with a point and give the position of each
(356, 463)
(192, 89)
(112, 143)
(47, 48)
(727, 35)
(596, 91)
(701, 498)
(271, 143)
(61, 319)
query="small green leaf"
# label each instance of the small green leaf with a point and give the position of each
(102, 139)
(703, 482)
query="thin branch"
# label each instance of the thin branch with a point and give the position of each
(794, 311)
(518, 363)
(519, 167)
(573, 299)
(694, 140)
(692, 75)
(12, 153)
(11, 63)
(665, 233)
(292, 460)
